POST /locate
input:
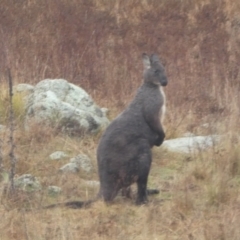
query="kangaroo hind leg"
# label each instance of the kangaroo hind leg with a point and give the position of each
(144, 168)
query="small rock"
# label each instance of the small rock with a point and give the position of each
(83, 161)
(27, 183)
(70, 167)
(54, 190)
(58, 155)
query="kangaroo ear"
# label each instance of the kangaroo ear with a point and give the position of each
(146, 61)
(154, 58)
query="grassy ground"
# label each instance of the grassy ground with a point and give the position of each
(199, 196)
(97, 45)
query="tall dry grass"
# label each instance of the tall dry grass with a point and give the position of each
(97, 44)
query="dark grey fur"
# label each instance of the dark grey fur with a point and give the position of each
(124, 152)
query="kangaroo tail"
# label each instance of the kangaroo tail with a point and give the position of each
(71, 204)
(152, 191)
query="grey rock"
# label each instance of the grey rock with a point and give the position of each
(54, 190)
(27, 183)
(191, 144)
(70, 168)
(58, 155)
(83, 161)
(80, 162)
(55, 102)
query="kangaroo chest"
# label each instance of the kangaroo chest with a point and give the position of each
(163, 108)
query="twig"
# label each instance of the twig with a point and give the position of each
(1, 156)
(11, 137)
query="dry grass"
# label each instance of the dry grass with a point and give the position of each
(97, 44)
(199, 199)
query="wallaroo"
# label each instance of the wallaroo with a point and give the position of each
(124, 152)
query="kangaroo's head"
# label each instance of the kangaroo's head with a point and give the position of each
(154, 71)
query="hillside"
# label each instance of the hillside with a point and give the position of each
(97, 44)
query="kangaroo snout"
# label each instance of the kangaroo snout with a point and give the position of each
(164, 83)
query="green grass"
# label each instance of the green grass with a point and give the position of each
(18, 104)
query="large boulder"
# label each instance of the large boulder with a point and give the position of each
(63, 105)
(191, 143)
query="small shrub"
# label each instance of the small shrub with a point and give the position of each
(18, 106)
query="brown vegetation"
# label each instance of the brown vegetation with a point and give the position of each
(97, 44)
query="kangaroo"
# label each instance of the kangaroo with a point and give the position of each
(124, 152)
